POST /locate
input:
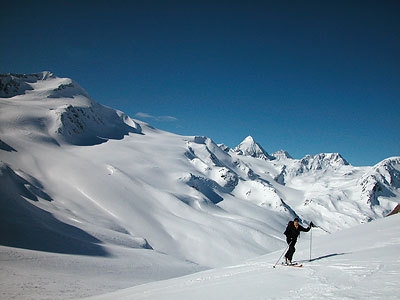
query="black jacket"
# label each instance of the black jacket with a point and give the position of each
(292, 232)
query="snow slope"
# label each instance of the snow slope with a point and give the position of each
(357, 263)
(89, 186)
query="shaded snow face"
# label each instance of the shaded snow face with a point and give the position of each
(93, 124)
(24, 225)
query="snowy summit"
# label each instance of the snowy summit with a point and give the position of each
(249, 147)
(94, 201)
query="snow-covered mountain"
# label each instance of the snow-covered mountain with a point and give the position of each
(250, 147)
(80, 178)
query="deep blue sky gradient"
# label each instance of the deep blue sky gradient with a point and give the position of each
(303, 76)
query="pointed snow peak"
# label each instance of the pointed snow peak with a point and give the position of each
(249, 139)
(249, 147)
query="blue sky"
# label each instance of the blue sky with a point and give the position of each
(303, 76)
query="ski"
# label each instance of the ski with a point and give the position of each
(292, 265)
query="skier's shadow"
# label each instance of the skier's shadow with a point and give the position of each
(326, 256)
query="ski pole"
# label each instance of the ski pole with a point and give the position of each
(310, 242)
(282, 255)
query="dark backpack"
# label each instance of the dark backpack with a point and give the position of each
(289, 225)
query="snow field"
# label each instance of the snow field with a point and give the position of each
(356, 263)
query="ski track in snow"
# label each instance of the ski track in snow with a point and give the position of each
(97, 204)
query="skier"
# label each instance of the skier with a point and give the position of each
(292, 232)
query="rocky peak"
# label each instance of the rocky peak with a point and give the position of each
(249, 147)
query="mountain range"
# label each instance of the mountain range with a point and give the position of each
(80, 178)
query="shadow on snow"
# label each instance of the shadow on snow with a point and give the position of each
(323, 257)
(24, 225)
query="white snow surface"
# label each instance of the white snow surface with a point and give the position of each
(358, 263)
(94, 201)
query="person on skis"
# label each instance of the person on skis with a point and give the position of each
(292, 232)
